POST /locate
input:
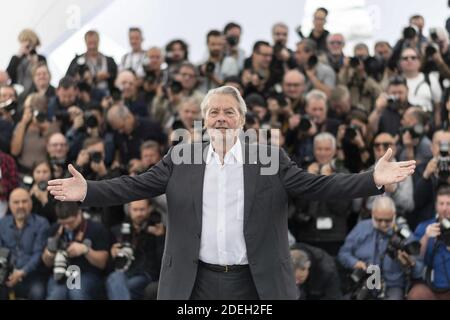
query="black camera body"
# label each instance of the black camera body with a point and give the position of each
(399, 240)
(6, 266)
(59, 246)
(350, 132)
(359, 289)
(96, 157)
(445, 231)
(62, 115)
(209, 68)
(9, 105)
(443, 161)
(312, 62)
(305, 123)
(90, 120)
(40, 116)
(416, 131)
(125, 255)
(232, 41)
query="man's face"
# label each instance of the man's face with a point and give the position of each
(215, 46)
(408, 120)
(222, 117)
(135, 38)
(7, 93)
(71, 223)
(177, 52)
(187, 77)
(139, 211)
(293, 85)
(57, 146)
(150, 157)
(335, 44)
(20, 204)
(155, 57)
(92, 43)
(409, 61)
(41, 77)
(438, 138)
(383, 219)
(383, 51)
(301, 275)
(263, 57)
(189, 112)
(418, 22)
(280, 35)
(67, 97)
(324, 151)
(98, 147)
(443, 206)
(317, 109)
(127, 84)
(400, 91)
(301, 55)
(382, 143)
(319, 20)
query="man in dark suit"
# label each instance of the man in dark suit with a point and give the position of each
(227, 235)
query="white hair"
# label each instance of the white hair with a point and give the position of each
(316, 95)
(324, 136)
(225, 90)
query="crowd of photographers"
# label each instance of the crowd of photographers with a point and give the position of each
(332, 113)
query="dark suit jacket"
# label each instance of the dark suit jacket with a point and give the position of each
(265, 213)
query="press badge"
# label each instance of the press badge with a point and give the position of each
(324, 223)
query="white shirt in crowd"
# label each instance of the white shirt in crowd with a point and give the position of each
(222, 239)
(423, 95)
(134, 61)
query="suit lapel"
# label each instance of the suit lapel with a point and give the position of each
(251, 169)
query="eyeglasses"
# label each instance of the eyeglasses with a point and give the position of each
(281, 34)
(379, 220)
(58, 144)
(385, 145)
(412, 58)
(266, 55)
(187, 75)
(336, 42)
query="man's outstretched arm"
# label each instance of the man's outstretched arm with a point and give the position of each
(113, 191)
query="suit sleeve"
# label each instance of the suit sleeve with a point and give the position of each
(299, 182)
(125, 189)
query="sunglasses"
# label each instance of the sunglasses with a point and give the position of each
(385, 145)
(378, 220)
(413, 58)
(336, 42)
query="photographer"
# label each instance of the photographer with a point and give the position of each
(319, 75)
(57, 150)
(41, 82)
(389, 107)
(322, 223)
(134, 60)
(434, 236)
(176, 53)
(188, 112)
(23, 234)
(131, 96)
(43, 203)
(232, 33)
(316, 275)
(359, 74)
(20, 66)
(283, 58)
(150, 155)
(370, 243)
(353, 139)
(29, 140)
(335, 51)
(303, 128)
(137, 267)
(84, 243)
(293, 86)
(102, 68)
(10, 113)
(217, 66)
(257, 77)
(414, 143)
(436, 54)
(155, 71)
(318, 33)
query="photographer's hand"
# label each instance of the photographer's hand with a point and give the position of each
(83, 158)
(360, 265)
(405, 259)
(115, 249)
(433, 230)
(381, 103)
(99, 168)
(76, 249)
(15, 277)
(432, 167)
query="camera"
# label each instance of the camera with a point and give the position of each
(350, 132)
(409, 33)
(5, 265)
(277, 47)
(42, 185)
(312, 61)
(9, 105)
(62, 115)
(90, 120)
(125, 255)
(433, 34)
(359, 290)
(443, 161)
(305, 123)
(210, 67)
(81, 67)
(416, 131)
(59, 246)
(398, 240)
(40, 116)
(150, 76)
(355, 61)
(96, 157)
(445, 231)
(232, 40)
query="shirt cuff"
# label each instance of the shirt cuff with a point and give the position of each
(379, 187)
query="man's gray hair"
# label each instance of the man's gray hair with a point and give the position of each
(383, 202)
(300, 259)
(279, 24)
(225, 90)
(316, 95)
(324, 136)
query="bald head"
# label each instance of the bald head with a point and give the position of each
(120, 118)
(293, 84)
(383, 213)
(57, 146)
(127, 83)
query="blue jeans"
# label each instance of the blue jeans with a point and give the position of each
(90, 288)
(121, 287)
(32, 287)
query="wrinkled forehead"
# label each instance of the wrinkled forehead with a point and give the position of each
(222, 102)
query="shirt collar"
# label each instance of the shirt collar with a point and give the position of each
(235, 152)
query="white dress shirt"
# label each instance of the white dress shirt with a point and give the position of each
(222, 240)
